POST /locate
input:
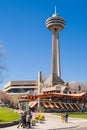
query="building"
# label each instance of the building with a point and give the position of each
(21, 87)
(26, 87)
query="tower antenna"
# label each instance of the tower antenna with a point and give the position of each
(55, 10)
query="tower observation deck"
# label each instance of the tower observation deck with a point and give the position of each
(55, 24)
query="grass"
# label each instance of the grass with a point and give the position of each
(7, 115)
(76, 115)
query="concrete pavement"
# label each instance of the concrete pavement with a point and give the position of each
(52, 122)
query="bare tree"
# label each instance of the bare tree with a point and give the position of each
(44, 77)
(7, 98)
(78, 86)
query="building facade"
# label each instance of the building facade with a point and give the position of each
(21, 87)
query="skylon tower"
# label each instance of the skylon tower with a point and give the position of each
(55, 24)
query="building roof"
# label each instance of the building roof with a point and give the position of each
(52, 88)
(21, 83)
(62, 95)
(78, 94)
(55, 79)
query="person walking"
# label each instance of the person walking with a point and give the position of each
(24, 119)
(28, 119)
(66, 117)
(63, 117)
(21, 120)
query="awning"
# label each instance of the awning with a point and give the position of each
(71, 106)
(51, 105)
(66, 106)
(32, 104)
(56, 105)
(61, 105)
(45, 105)
(77, 107)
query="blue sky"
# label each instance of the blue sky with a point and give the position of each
(27, 42)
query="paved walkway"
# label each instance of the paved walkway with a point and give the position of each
(52, 122)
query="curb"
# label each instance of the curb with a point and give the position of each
(9, 124)
(65, 127)
(69, 127)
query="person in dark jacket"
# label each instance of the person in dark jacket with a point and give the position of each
(21, 120)
(66, 117)
(24, 119)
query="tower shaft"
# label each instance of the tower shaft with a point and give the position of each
(55, 53)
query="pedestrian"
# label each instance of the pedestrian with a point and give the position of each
(66, 117)
(63, 117)
(21, 120)
(28, 119)
(24, 119)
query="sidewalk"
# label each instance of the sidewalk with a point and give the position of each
(52, 122)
